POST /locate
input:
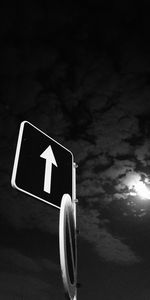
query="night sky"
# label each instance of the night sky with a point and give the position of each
(80, 73)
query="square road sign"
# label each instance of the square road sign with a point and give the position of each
(43, 168)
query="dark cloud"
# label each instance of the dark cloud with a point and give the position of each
(13, 285)
(108, 246)
(13, 257)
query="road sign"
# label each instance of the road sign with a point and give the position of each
(43, 168)
(67, 246)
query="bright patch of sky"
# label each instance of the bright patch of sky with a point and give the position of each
(136, 186)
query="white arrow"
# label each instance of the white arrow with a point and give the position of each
(50, 159)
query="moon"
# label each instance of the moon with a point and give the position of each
(137, 187)
(141, 190)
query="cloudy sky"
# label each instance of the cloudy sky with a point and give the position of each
(81, 74)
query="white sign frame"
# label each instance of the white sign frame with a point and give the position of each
(67, 211)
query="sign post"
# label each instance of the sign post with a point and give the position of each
(45, 169)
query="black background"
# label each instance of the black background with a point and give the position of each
(81, 73)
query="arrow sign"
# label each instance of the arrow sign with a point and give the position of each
(48, 155)
(34, 171)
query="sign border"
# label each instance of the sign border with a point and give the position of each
(67, 209)
(16, 160)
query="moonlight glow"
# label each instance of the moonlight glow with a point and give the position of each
(141, 190)
(136, 186)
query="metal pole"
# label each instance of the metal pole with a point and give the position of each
(75, 201)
